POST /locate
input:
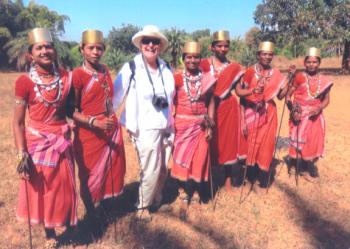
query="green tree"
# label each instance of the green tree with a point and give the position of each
(120, 38)
(294, 21)
(77, 58)
(205, 41)
(198, 34)
(253, 37)
(176, 41)
(114, 58)
(9, 25)
(23, 21)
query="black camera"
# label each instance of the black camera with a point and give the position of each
(160, 102)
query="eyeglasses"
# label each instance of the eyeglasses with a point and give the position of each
(146, 41)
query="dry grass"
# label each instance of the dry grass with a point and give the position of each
(314, 215)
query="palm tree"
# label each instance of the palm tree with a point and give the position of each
(17, 50)
(28, 18)
(175, 38)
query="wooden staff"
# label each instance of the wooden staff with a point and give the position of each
(211, 186)
(290, 77)
(109, 112)
(29, 226)
(297, 158)
(246, 166)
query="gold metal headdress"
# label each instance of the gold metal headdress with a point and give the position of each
(314, 52)
(266, 46)
(92, 36)
(192, 48)
(39, 35)
(221, 35)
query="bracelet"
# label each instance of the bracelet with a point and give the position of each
(20, 102)
(91, 121)
(20, 155)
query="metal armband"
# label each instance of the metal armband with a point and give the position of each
(20, 102)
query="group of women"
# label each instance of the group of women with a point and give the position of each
(192, 114)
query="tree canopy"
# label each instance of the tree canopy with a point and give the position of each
(16, 21)
(293, 25)
(290, 22)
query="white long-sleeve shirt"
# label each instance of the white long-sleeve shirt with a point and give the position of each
(139, 113)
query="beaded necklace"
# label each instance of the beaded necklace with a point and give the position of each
(217, 71)
(40, 86)
(189, 81)
(260, 76)
(309, 93)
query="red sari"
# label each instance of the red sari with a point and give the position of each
(311, 131)
(191, 153)
(227, 133)
(261, 116)
(100, 155)
(51, 188)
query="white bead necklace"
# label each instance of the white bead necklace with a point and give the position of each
(217, 71)
(194, 83)
(40, 86)
(309, 93)
(262, 79)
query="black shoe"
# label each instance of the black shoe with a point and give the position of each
(313, 171)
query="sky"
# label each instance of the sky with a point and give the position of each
(189, 15)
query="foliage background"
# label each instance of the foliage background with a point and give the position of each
(293, 25)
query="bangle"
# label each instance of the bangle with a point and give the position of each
(91, 121)
(20, 155)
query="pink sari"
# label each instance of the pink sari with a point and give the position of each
(308, 136)
(191, 150)
(100, 155)
(51, 188)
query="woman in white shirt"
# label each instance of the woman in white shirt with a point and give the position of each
(147, 86)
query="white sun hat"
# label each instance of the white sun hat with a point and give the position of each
(150, 31)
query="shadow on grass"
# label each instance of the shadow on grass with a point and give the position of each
(324, 232)
(148, 236)
(143, 235)
(92, 228)
(115, 214)
(219, 237)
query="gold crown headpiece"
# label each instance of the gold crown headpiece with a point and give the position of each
(39, 35)
(266, 46)
(92, 36)
(314, 52)
(192, 48)
(221, 35)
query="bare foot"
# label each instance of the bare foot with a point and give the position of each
(228, 185)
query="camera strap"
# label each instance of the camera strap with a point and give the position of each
(150, 78)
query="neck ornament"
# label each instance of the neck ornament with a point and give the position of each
(40, 87)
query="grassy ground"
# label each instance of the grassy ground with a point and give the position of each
(312, 215)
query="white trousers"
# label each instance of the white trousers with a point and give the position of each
(153, 149)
